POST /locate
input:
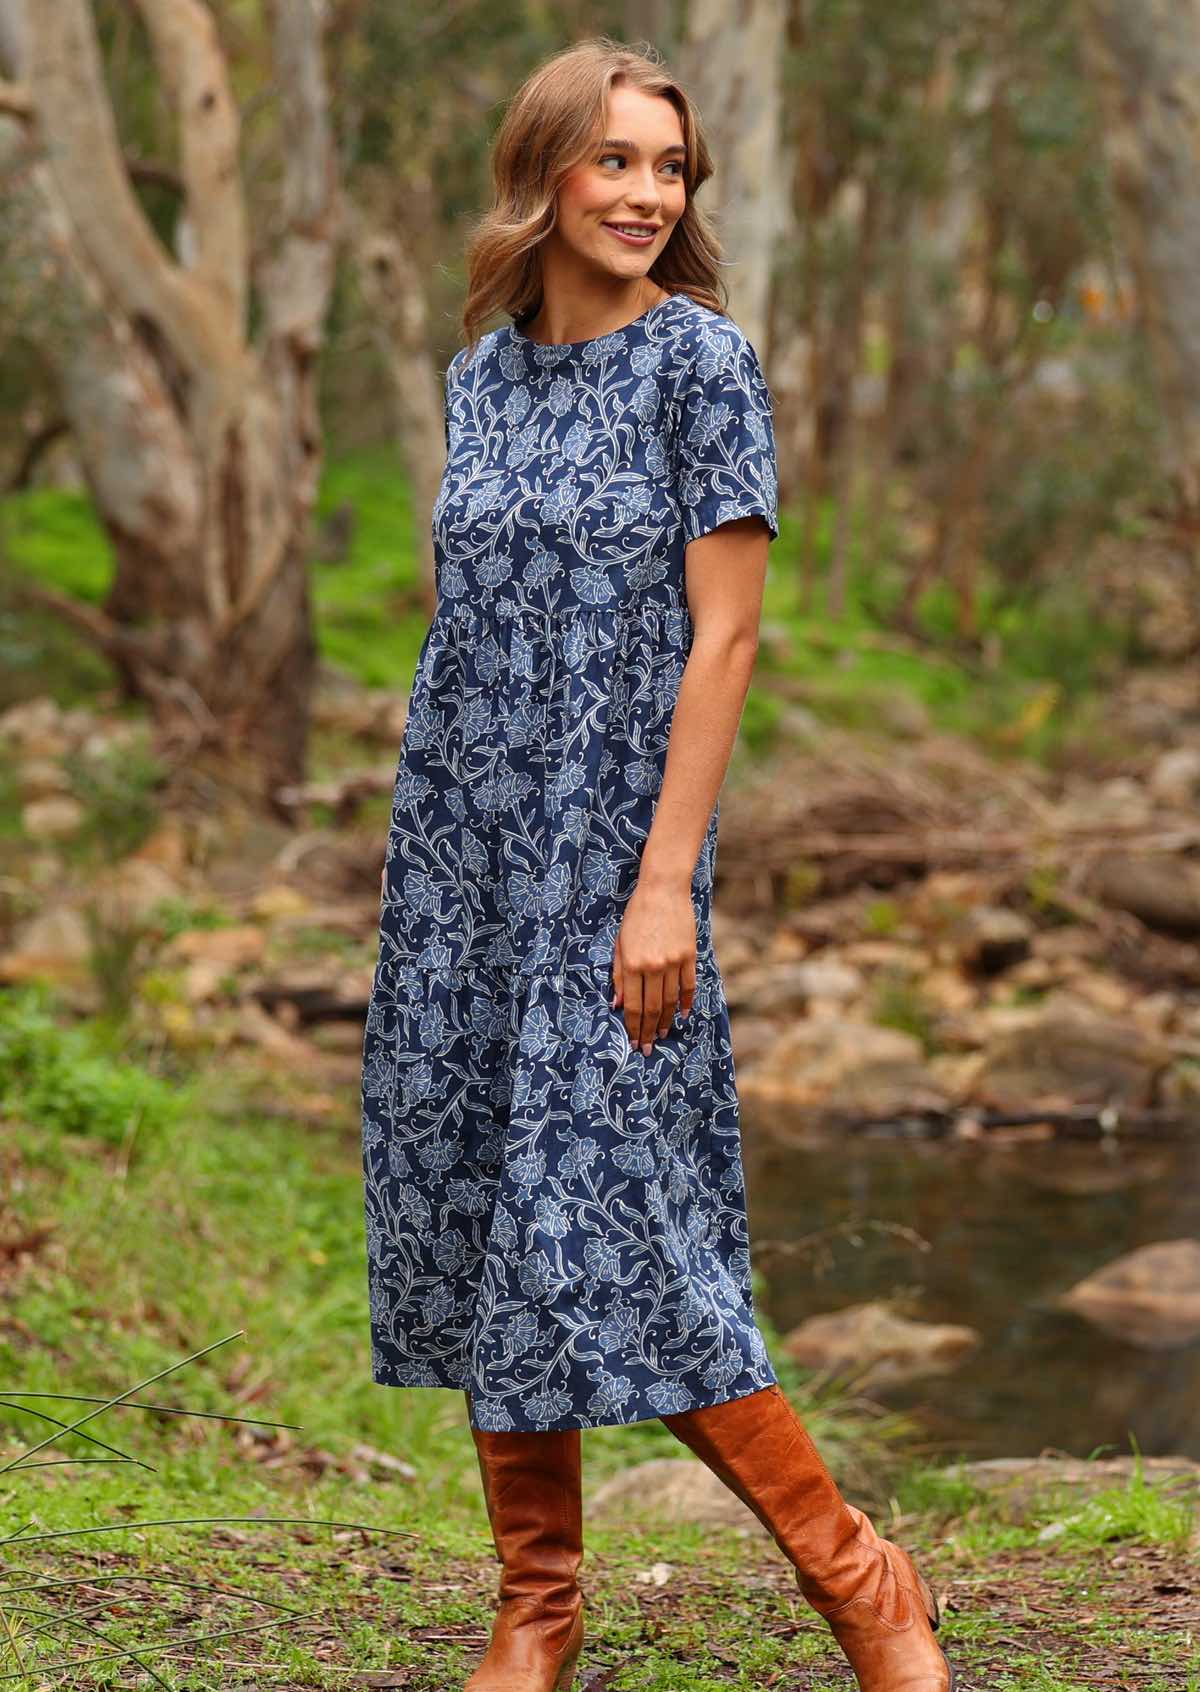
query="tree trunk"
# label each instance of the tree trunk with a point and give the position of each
(1145, 55)
(392, 286)
(732, 60)
(847, 453)
(201, 449)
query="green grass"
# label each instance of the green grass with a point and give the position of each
(370, 622)
(164, 1210)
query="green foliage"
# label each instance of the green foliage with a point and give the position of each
(56, 537)
(760, 725)
(178, 915)
(882, 917)
(69, 1081)
(370, 616)
(1141, 1511)
(118, 790)
(40, 653)
(898, 1002)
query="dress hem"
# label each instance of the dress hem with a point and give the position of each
(574, 1421)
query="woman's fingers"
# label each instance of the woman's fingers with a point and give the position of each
(687, 986)
(632, 1006)
(652, 999)
(670, 1000)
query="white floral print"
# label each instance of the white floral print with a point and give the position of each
(554, 1221)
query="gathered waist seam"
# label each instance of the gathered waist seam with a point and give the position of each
(505, 611)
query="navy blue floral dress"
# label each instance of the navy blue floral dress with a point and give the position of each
(555, 1222)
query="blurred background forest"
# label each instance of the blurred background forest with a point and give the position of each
(959, 871)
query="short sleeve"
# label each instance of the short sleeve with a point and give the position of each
(725, 452)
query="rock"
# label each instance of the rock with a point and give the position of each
(734, 949)
(255, 1027)
(1175, 778)
(1036, 971)
(831, 1070)
(948, 990)
(672, 1489)
(1021, 1480)
(33, 720)
(658, 1574)
(1106, 993)
(336, 1036)
(204, 980)
(783, 947)
(1149, 1297)
(126, 894)
(989, 938)
(892, 1347)
(56, 945)
(52, 819)
(232, 948)
(42, 778)
(108, 740)
(893, 956)
(752, 1037)
(1120, 800)
(167, 847)
(280, 900)
(318, 992)
(903, 715)
(77, 721)
(785, 988)
(1163, 890)
(1063, 1055)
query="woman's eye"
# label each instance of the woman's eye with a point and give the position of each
(677, 164)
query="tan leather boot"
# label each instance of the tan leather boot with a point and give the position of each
(881, 1611)
(532, 1488)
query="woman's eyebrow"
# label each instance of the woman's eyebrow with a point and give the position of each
(618, 146)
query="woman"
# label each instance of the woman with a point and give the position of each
(556, 1214)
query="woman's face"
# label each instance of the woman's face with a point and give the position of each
(634, 177)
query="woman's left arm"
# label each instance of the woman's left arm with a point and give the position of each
(654, 961)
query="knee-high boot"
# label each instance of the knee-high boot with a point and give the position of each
(881, 1611)
(532, 1489)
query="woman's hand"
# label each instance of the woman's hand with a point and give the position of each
(654, 961)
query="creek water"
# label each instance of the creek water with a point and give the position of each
(1008, 1229)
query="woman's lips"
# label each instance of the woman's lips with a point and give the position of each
(645, 240)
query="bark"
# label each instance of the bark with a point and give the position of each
(201, 448)
(849, 351)
(1145, 56)
(731, 58)
(396, 295)
(811, 174)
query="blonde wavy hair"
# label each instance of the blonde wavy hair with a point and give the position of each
(552, 124)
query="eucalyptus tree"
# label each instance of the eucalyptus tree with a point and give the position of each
(186, 370)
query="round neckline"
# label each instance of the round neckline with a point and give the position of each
(575, 346)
